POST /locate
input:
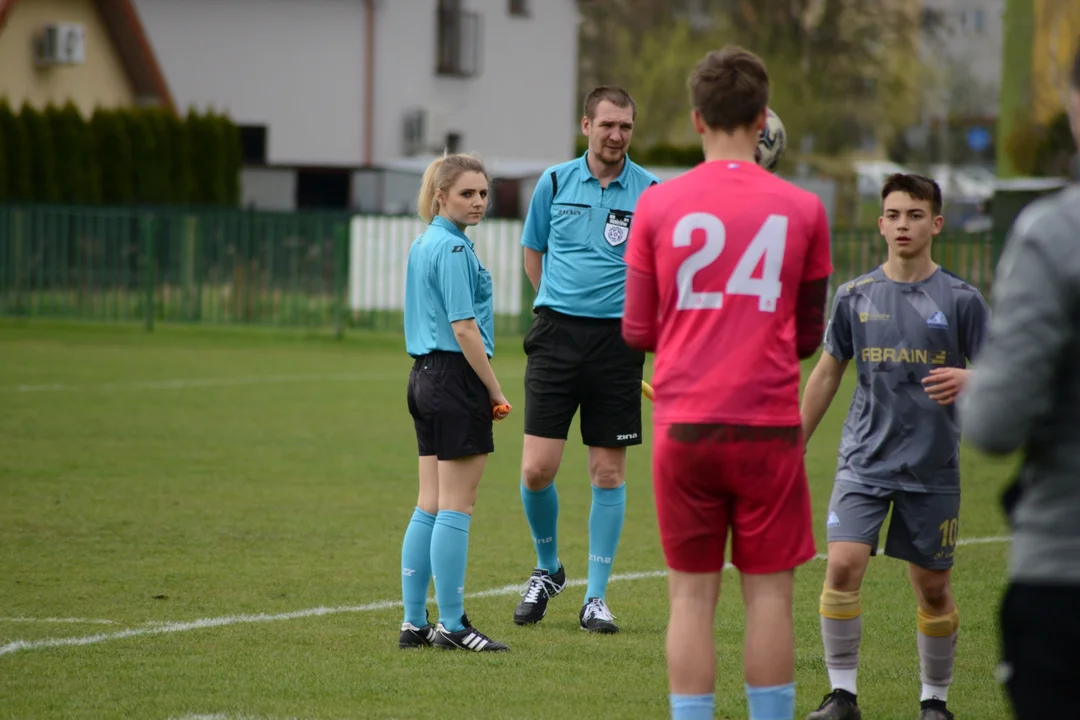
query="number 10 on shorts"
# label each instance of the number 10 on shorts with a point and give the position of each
(950, 532)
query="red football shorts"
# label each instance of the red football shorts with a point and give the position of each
(709, 478)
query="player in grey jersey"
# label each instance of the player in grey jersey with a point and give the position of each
(911, 327)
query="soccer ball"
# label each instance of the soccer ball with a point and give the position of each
(771, 143)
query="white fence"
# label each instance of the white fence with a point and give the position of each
(379, 247)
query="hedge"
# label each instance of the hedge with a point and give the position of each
(119, 156)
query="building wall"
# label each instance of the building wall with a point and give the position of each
(966, 46)
(292, 66)
(101, 80)
(523, 104)
(298, 68)
(268, 189)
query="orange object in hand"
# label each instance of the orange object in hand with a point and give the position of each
(499, 412)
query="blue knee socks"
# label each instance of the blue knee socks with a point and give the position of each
(605, 528)
(765, 703)
(771, 703)
(692, 707)
(542, 512)
(416, 567)
(449, 555)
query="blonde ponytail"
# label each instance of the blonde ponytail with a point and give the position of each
(427, 205)
(441, 174)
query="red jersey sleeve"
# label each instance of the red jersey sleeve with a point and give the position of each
(641, 304)
(813, 291)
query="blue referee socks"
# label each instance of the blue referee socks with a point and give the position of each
(771, 703)
(416, 567)
(692, 707)
(542, 512)
(605, 527)
(449, 555)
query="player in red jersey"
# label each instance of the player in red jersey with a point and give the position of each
(727, 271)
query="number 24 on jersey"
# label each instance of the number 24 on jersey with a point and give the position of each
(769, 242)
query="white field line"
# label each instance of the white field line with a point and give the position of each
(187, 383)
(162, 628)
(190, 383)
(67, 621)
(222, 716)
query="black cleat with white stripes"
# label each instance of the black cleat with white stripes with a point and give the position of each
(416, 637)
(468, 639)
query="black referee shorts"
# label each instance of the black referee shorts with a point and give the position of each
(450, 406)
(582, 362)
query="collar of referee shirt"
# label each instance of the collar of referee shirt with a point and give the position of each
(587, 175)
(447, 224)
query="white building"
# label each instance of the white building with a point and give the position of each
(341, 101)
(961, 43)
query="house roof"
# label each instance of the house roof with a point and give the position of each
(132, 45)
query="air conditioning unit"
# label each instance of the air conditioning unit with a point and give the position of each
(424, 131)
(60, 44)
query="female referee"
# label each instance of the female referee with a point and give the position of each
(453, 393)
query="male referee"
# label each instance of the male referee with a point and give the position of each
(574, 240)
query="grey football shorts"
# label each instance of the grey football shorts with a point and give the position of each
(923, 530)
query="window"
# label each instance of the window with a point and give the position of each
(322, 188)
(453, 142)
(253, 144)
(457, 41)
(519, 8)
(979, 20)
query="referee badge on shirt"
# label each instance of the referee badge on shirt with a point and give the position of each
(617, 229)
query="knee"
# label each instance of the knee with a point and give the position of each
(606, 476)
(840, 604)
(537, 474)
(938, 625)
(936, 596)
(844, 575)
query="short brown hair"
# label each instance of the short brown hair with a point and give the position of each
(730, 88)
(614, 95)
(917, 186)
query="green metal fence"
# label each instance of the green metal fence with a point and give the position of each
(203, 266)
(238, 267)
(972, 256)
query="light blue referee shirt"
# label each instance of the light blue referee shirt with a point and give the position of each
(444, 283)
(582, 229)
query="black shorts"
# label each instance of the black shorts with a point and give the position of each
(582, 362)
(1040, 635)
(450, 406)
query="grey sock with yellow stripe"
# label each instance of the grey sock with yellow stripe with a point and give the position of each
(937, 652)
(841, 633)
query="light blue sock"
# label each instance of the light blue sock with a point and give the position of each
(449, 555)
(692, 707)
(542, 512)
(771, 703)
(416, 567)
(605, 527)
